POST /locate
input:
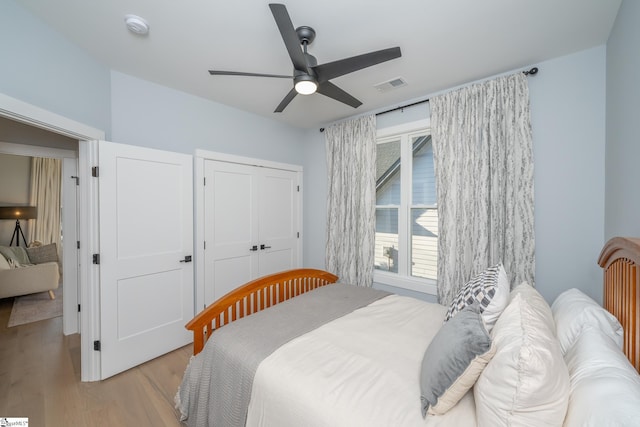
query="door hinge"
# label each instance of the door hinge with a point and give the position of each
(298, 188)
(96, 345)
(77, 178)
(205, 245)
(298, 234)
(96, 258)
(78, 244)
(78, 308)
(95, 172)
(204, 181)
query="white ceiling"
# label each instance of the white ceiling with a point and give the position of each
(444, 43)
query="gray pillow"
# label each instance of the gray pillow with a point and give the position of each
(454, 360)
(40, 254)
(15, 254)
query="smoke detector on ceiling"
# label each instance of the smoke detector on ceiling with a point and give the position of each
(136, 24)
(391, 84)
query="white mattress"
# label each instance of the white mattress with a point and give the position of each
(359, 370)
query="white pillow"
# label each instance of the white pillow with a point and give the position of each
(527, 382)
(605, 387)
(573, 310)
(490, 289)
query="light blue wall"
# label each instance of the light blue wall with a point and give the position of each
(150, 115)
(568, 122)
(622, 214)
(40, 67)
(315, 199)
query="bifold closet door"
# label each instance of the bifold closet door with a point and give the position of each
(251, 224)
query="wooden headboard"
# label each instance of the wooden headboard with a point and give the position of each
(620, 259)
(255, 296)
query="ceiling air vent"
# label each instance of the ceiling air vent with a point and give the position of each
(390, 84)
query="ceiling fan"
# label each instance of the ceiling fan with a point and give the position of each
(309, 77)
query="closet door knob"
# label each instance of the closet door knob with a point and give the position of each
(253, 248)
(265, 247)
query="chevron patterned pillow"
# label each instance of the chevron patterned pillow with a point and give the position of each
(490, 289)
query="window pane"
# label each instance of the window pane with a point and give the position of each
(386, 250)
(424, 243)
(388, 173)
(423, 185)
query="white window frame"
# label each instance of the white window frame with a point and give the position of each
(403, 278)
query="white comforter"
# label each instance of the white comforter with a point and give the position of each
(362, 369)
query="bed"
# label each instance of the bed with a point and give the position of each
(301, 348)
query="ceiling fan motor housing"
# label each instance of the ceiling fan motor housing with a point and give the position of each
(306, 34)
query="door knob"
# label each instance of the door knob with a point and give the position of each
(253, 248)
(187, 258)
(265, 247)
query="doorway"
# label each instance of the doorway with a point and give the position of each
(38, 118)
(19, 143)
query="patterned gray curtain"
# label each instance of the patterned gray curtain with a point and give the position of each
(483, 158)
(351, 200)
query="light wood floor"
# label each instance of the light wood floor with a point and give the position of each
(40, 379)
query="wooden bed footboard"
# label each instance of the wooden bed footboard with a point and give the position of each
(620, 259)
(253, 297)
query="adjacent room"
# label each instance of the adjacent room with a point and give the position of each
(412, 195)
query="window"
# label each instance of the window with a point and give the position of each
(406, 241)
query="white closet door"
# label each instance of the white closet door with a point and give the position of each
(251, 224)
(278, 231)
(146, 231)
(231, 225)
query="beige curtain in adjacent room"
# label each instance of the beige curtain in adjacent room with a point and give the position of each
(483, 157)
(46, 182)
(351, 198)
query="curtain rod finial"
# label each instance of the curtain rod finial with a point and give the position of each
(532, 71)
(321, 129)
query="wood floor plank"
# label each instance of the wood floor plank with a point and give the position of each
(40, 379)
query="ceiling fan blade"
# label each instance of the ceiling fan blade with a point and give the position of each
(240, 73)
(287, 99)
(333, 91)
(289, 36)
(341, 67)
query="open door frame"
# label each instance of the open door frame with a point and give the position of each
(23, 112)
(69, 219)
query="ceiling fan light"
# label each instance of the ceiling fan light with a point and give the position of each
(305, 84)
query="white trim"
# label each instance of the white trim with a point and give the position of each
(89, 273)
(36, 151)
(231, 158)
(198, 232)
(404, 128)
(69, 219)
(426, 286)
(22, 112)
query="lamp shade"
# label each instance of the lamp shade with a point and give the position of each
(18, 212)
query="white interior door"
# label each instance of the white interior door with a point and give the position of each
(251, 224)
(70, 258)
(278, 225)
(146, 233)
(231, 227)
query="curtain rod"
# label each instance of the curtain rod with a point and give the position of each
(532, 72)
